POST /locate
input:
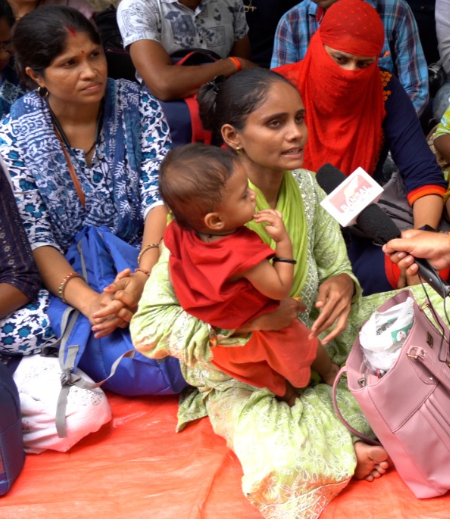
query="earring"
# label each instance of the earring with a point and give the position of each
(42, 92)
(238, 149)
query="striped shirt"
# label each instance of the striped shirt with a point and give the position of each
(402, 53)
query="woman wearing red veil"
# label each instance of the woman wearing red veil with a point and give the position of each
(356, 113)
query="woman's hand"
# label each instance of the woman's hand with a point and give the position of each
(280, 318)
(125, 293)
(104, 321)
(334, 300)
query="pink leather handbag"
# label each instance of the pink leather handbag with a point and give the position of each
(409, 407)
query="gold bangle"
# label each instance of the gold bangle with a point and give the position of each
(146, 248)
(62, 285)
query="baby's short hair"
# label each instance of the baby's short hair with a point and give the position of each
(192, 179)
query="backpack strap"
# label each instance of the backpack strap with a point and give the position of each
(67, 357)
(67, 360)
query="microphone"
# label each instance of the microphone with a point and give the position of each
(377, 226)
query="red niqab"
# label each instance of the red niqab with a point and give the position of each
(344, 108)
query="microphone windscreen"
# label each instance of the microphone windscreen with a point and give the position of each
(329, 178)
(377, 225)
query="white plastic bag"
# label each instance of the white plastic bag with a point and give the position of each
(384, 334)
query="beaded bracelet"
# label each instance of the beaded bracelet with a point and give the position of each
(64, 282)
(236, 62)
(146, 248)
(146, 272)
(284, 260)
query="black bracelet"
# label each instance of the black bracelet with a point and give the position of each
(284, 260)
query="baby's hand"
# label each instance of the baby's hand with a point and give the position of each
(275, 227)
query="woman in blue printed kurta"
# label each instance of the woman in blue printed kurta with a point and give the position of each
(113, 134)
(47, 199)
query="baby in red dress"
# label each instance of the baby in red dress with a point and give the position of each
(222, 273)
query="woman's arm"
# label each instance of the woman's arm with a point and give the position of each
(428, 210)
(282, 317)
(155, 142)
(11, 299)
(338, 286)
(52, 265)
(54, 269)
(161, 327)
(19, 278)
(422, 176)
(128, 287)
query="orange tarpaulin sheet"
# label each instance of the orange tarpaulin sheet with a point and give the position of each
(138, 467)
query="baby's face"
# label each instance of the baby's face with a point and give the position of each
(238, 200)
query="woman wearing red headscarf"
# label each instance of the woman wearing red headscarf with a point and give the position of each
(357, 112)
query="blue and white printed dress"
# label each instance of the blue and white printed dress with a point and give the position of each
(120, 186)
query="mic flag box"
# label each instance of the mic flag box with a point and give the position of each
(353, 195)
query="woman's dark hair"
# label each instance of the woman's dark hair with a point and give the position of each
(41, 36)
(6, 13)
(231, 101)
(192, 179)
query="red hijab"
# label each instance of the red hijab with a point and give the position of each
(344, 108)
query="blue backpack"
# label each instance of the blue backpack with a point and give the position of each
(110, 361)
(12, 455)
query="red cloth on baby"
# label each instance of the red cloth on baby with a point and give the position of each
(200, 271)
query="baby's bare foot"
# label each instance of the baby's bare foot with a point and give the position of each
(372, 461)
(290, 396)
(331, 374)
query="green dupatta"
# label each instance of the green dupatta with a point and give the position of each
(290, 205)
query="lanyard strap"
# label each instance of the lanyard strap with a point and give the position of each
(75, 180)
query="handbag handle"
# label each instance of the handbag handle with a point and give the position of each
(440, 322)
(360, 435)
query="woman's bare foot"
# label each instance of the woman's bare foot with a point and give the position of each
(372, 461)
(330, 375)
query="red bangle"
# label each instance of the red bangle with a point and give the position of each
(237, 63)
(146, 272)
